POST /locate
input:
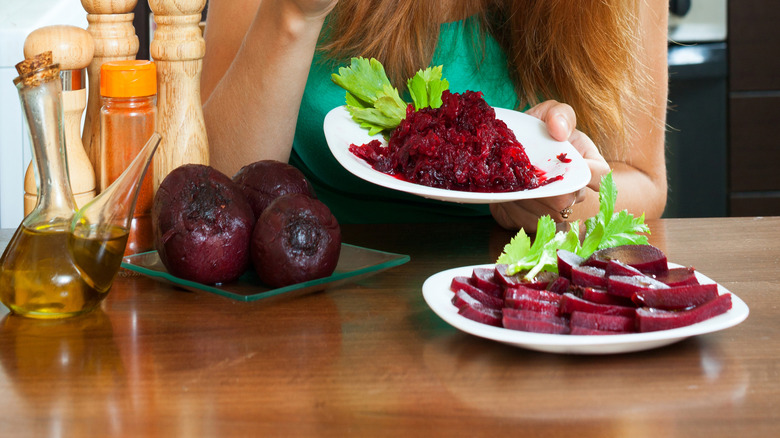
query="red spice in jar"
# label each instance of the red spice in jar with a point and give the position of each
(127, 120)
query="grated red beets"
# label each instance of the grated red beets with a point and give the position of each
(458, 146)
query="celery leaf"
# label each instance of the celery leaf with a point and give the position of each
(607, 229)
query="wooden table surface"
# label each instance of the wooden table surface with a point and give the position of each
(371, 359)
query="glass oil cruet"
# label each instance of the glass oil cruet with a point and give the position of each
(60, 262)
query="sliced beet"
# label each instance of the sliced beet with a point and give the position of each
(485, 279)
(464, 284)
(463, 299)
(536, 305)
(678, 297)
(502, 277)
(514, 293)
(475, 311)
(646, 258)
(649, 319)
(588, 276)
(530, 314)
(539, 282)
(572, 303)
(566, 261)
(560, 285)
(535, 326)
(616, 267)
(678, 276)
(615, 323)
(627, 286)
(582, 331)
(600, 296)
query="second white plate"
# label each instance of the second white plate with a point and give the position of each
(437, 293)
(341, 132)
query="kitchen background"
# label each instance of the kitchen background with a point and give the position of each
(722, 146)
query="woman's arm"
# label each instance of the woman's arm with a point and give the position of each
(258, 54)
(640, 173)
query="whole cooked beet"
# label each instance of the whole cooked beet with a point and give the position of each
(202, 225)
(264, 181)
(296, 239)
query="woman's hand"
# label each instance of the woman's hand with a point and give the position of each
(561, 123)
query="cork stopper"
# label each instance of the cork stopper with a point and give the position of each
(36, 70)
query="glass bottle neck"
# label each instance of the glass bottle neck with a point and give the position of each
(42, 107)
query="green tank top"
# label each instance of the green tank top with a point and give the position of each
(353, 200)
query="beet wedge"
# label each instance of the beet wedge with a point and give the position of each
(535, 325)
(464, 284)
(539, 282)
(530, 314)
(649, 320)
(613, 323)
(514, 293)
(560, 285)
(476, 311)
(601, 296)
(616, 267)
(678, 297)
(627, 286)
(572, 303)
(533, 304)
(485, 279)
(678, 277)
(645, 258)
(582, 331)
(588, 276)
(566, 261)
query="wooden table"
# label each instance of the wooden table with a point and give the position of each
(371, 359)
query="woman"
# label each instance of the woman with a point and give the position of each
(266, 88)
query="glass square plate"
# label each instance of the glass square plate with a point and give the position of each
(354, 263)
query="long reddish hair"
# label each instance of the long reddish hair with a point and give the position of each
(581, 52)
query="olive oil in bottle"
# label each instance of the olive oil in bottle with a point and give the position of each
(62, 262)
(50, 273)
(98, 254)
(39, 279)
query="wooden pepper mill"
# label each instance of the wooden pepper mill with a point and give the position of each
(110, 22)
(178, 48)
(72, 48)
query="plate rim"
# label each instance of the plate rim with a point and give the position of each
(579, 178)
(583, 344)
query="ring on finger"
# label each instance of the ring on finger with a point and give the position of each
(566, 212)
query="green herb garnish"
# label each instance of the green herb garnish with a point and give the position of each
(426, 87)
(375, 104)
(607, 229)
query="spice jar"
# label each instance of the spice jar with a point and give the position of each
(128, 115)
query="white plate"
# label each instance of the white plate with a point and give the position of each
(437, 293)
(341, 131)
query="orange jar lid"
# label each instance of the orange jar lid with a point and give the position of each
(131, 78)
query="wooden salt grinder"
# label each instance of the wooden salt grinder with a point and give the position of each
(178, 48)
(111, 24)
(72, 48)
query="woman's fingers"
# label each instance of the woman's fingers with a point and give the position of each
(559, 118)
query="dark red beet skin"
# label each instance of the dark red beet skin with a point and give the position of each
(646, 258)
(202, 225)
(264, 181)
(296, 239)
